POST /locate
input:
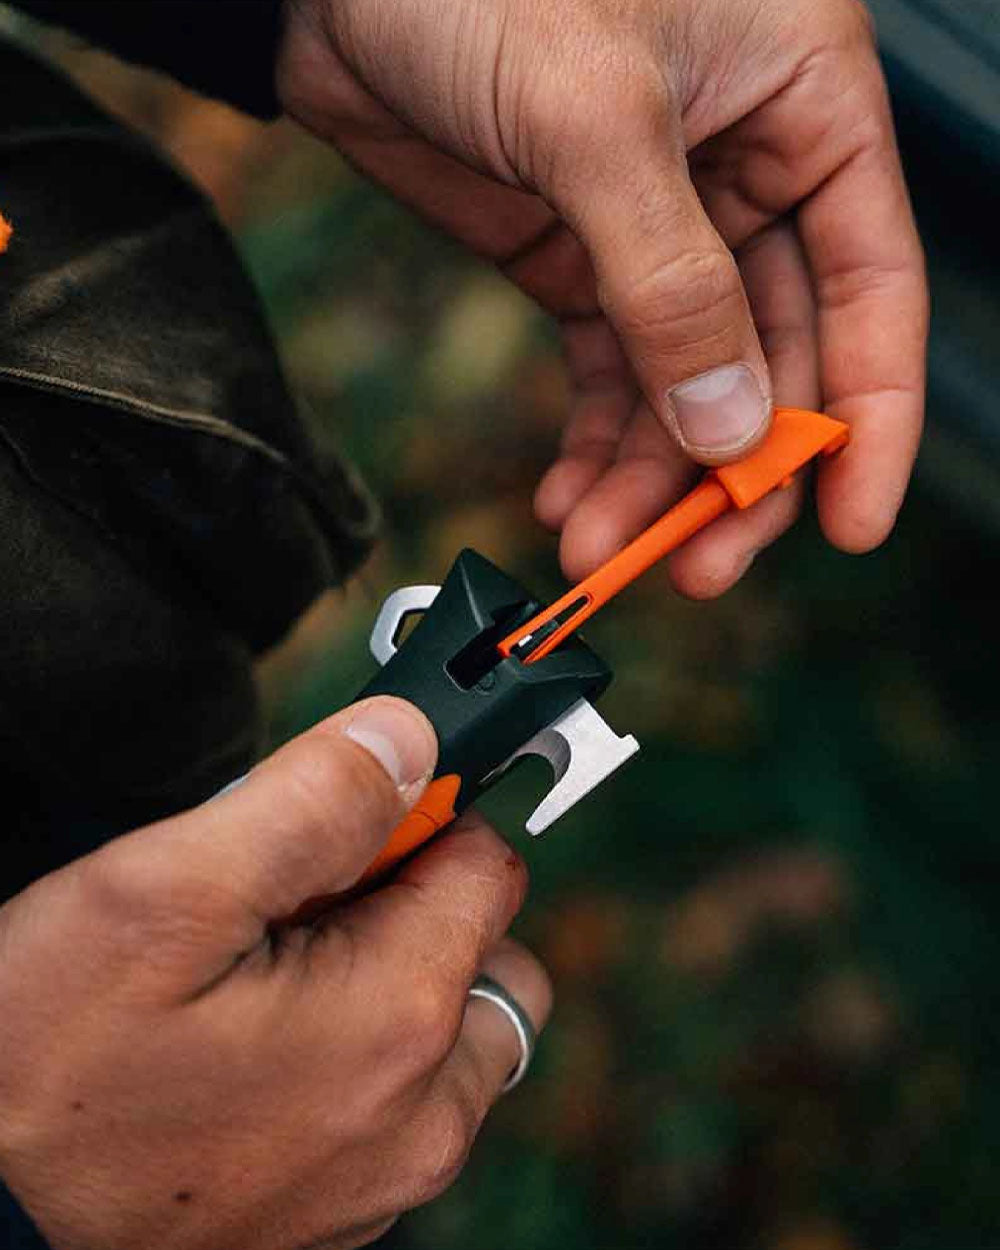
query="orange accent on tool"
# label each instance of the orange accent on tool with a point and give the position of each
(433, 810)
(6, 232)
(795, 438)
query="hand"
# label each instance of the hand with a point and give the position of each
(185, 1065)
(662, 176)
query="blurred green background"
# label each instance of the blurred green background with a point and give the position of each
(772, 936)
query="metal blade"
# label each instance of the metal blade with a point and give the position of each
(400, 604)
(583, 750)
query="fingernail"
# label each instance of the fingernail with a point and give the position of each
(719, 411)
(399, 737)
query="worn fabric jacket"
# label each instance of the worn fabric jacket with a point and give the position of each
(225, 48)
(163, 518)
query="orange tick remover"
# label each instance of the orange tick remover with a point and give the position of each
(795, 438)
(501, 677)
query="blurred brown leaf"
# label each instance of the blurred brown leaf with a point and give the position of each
(586, 937)
(814, 1235)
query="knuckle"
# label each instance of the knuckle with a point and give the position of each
(629, 83)
(445, 1147)
(102, 885)
(872, 131)
(503, 875)
(856, 286)
(431, 1018)
(501, 871)
(516, 877)
(842, 26)
(119, 886)
(683, 299)
(154, 909)
(858, 22)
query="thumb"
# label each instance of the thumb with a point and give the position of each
(303, 824)
(668, 284)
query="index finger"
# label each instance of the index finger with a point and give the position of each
(426, 931)
(873, 312)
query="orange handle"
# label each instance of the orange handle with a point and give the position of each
(795, 438)
(433, 811)
(693, 513)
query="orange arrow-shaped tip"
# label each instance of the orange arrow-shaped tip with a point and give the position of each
(795, 438)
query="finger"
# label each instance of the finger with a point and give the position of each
(779, 287)
(421, 938)
(667, 282)
(305, 822)
(488, 1050)
(604, 399)
(715, 560)
(868, 271)
(446, 1108)
(649, 475)
(569, 479)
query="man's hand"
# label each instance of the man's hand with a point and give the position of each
(187, 1062)
(708, 196)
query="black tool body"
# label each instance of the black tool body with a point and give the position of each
(483, 707)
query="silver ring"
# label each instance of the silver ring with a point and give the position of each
(493, 992)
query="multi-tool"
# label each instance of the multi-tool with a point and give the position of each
(500, 677)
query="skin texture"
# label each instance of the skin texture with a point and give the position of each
(684, 184)
(185, 1065)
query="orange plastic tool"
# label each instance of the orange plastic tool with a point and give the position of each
(795, 438)
(434, 810)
